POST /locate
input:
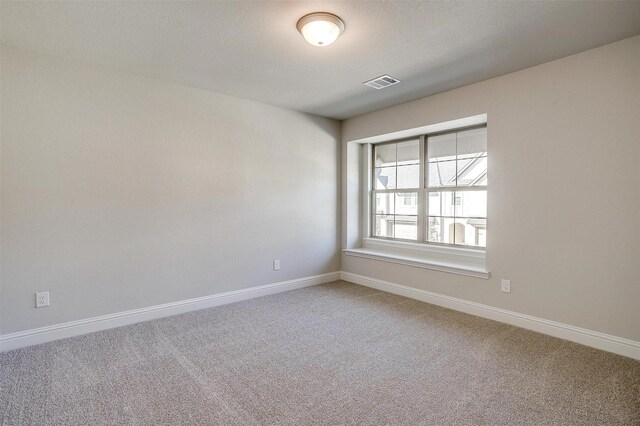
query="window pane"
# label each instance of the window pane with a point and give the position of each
(472, 143)
(408, 176)
(409, 152)
(406, 227)
(442, 147)
(434, 207)
(385, 155)
(463, 164)
(435, 232)
(446, 230)
(384, 203)
(442, 174)
(457, 230)
(406, 203)
(441, 203)
(475, 232)
(473, 171)
(385, 178)
(383, 226)
(470, 203)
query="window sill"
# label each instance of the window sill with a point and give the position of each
(445, 259)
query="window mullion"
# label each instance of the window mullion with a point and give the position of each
(422, 209)
(395, 195)
(367, 184)
(455, 193)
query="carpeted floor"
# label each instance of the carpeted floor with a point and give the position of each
(331, 354)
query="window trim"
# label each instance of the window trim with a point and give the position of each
(422, 190)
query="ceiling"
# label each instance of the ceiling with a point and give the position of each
(252, 50)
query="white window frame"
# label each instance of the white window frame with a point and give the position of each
(455, 189)
(452, 258)
(372, 191)
(423, 191)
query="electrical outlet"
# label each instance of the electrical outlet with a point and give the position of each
(276, 265)
(506, 286)
(42, 299)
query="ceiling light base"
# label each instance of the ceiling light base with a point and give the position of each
(320, 28)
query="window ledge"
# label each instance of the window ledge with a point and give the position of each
(463, 254)
(419, 262)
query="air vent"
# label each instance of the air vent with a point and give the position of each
(381, 82)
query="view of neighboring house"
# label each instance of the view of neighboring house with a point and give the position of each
(455, 173)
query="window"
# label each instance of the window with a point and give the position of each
(432, 189)
(424, 202)
(396, 183)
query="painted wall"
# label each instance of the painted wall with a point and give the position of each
(121, 192)
(564, 179)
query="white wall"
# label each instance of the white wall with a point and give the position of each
(117, 191)
(120, 192)
(564, 178)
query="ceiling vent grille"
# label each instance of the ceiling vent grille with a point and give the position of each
(381, 82)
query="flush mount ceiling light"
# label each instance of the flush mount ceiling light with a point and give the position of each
(320, 28)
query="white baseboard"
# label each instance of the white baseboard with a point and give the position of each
(607, 342)
(74, 328)
(595, 339)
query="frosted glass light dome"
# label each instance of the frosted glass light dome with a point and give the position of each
(320, 28)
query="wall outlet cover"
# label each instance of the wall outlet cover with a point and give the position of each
(42, 299)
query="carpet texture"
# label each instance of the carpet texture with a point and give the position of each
(337, 353)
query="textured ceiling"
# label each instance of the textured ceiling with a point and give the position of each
(252, 50)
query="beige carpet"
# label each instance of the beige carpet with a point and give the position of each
(331, 354)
